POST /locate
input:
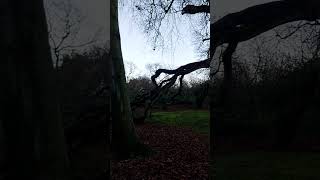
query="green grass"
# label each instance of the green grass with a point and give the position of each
(197, 120)
(247, 165)
(267, 166)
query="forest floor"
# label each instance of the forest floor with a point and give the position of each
(181, 154)
(181, 140)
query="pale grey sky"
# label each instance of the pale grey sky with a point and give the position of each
(96, 13)
(137, 49)
(178, 49)
(136, 46)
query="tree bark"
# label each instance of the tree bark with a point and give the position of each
(107, 71)
(125, 141)
(30, 113)
(249, 23)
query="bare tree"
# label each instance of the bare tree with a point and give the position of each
(130, 70)
(64, 26)
(230, 30)
(244, 25)
(159, 17)
(151, 68)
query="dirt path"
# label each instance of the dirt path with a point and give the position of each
(181, 154)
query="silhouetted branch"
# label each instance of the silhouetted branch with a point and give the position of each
(180, 88)
(64, 22)
(182, 70)
(193, 9)
(250, 22)
(237, 27)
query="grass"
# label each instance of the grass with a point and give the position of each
(198, 120)
(267, 166)
(255, 165)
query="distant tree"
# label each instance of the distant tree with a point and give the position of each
(64, 25)
(139, 85)
(130, 70)
(137, 89)
(230, 30)
(158, 19)
(158, 16)
(200, 92)
(151, 68)
(80, 77)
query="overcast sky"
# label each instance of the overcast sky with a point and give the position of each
(136, 46)
(137, 49)
(96, 13)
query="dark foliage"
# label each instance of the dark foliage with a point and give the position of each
(193, 94)
(84, 110)
(282, 106)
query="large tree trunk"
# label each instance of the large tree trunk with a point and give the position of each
(107, 70)
(124, 138)
(244, 25)
(29, 112)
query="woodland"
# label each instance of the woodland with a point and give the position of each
(68, 114)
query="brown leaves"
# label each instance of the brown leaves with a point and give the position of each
(181, 154)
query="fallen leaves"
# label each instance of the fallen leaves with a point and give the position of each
(181, 154)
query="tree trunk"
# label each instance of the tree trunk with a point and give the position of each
(124, 138)
(221, 102)
(107, 71)
(211, 131)
(30, 112)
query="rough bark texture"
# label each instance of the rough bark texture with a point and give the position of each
(108, 81)
(30, 112)
(124, 138)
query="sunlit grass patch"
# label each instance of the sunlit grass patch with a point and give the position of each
(198, 120)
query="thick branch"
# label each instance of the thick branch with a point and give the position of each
(182, 70)
(246, 24)
(241, 26)
(250, 22)
(180, 88)
(192, 9)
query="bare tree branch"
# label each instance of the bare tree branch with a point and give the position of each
(156, 13)
(193, 9)
(246, 24)
(182, 70)
(250, 22)
(64, 26)
(241, 26)
(180, 88)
